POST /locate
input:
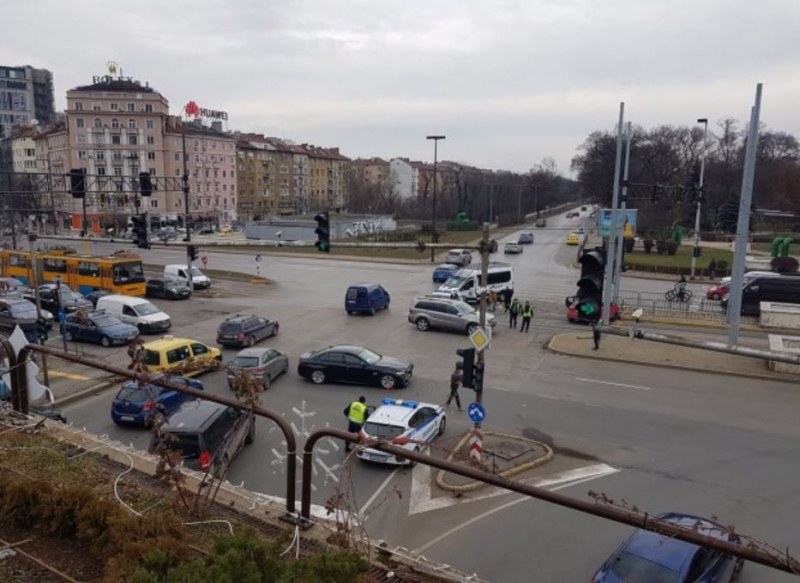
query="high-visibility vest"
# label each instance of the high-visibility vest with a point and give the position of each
(358, 412)
(527, 312)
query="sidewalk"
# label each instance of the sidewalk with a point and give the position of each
(644, 352)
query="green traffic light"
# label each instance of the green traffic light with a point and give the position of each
(587, 309)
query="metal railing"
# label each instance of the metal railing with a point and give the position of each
(656, 305)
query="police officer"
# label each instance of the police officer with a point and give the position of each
(356, 413)
(527, 314)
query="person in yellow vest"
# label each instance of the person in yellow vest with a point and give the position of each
(356, 413)
(527, 314)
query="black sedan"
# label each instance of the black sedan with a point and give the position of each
(168, 289)
(354, 365)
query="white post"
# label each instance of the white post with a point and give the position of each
(699, 196)
(609, 273)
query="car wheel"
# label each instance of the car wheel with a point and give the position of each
(423, 325)
(318, 377)
(715, 297)
(69, 336)
(442, 425)
(251, 434)
(275, 330)
(388, 382)
(412, 463)
(372, 312)
(350, 313)
(105, 341)
(251, 341)
(471, 327)
(141, 328)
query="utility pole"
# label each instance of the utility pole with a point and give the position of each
(476, 442)
(435, 236)
(699, 201)
(619, 236)
(188, 237)
(610, 251)
(39, 319)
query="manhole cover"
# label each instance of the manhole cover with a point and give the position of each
(508, 450)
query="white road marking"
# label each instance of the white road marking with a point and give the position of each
(623, 385)
(422, 500)
(479, 517)
(362, 511)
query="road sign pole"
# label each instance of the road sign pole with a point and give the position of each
(476, 443)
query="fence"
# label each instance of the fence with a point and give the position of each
(655, 304)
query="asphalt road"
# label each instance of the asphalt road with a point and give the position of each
(663, 440)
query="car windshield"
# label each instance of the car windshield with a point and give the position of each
(382, 430)
(196, 272)
(464, 308)
(146, 309)
(634, 569)
(174, 283)
(454, 281)
(67, 296)
(186, 443)
(368, 356)
(245, 361)
(230, 327)
(134, 394)
(22, 310)
(105, 321)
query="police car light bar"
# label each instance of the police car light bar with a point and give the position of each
(401, 403)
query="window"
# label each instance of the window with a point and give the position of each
(131, 107)
(101, 171)
(153, 203)
(151, 140)
(133, 140)
(87, 268)
(199, 349)
(114, 107)
(79, 122)
(115, 139)
(17, 260)
(500, 277)
(177, 157)
(100, 155)
(117, 171)
(177, 354)
(56, 265)
(149, 124)
(148, 108)
(78, 106)
(82, 138)
(81, 154)
(98, 123)
(116, 156)
(151, 155)
(131, 124)
(96, 107)
(114, 123)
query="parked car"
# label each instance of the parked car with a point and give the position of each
(96, 294)
(138, 404)
(460, 257)
(16, 311)
(208, 435)
(446, 314)
(263, 364)
(574, 315)
(443, 271)
(541, 222)
(184, 355)
(512, 247)
(366, 297)
(783, 289)
(525, 238)
(137, 311)
(168, 289)
(354, 365)
(12, 284)
(54, 297)
(648, 556)
(406, 424)
(199, 279)
(97, 327)
(245, 330)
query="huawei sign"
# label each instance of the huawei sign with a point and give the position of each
(194, 110)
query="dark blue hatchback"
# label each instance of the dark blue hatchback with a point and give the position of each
(648, 557)
(138, 405)
(442, 272)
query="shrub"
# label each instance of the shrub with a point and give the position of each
(628, 244)
(722, 265)
(784, 264)
(671, 247)
(661, 246)
(648, 245)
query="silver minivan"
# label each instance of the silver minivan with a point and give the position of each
(446, 314)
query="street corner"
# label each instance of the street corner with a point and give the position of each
(502, 455)
(578, 343)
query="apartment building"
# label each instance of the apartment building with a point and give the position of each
(327, 170)
(26, 94)
(370, 171)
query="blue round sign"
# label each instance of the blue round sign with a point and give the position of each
(476, 412)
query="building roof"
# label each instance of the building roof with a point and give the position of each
(121, 84)
(194, 128)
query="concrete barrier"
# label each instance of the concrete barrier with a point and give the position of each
(781, 343)
(779, 315)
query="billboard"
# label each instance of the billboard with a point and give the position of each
(627, 220)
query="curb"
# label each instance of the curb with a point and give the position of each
(750, 375)
(78, 395)
(219, 274)
(510, 472)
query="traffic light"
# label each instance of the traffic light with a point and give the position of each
(590, 285)
(192, 251)
(323, 232)
(145, 184)
(467, 366)
(478, 377)
(77, 182)
(140, 230)
(698, 251)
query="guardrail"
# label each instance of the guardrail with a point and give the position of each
(655, 304)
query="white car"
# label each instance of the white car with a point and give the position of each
(408, 424)
(512, 247)
(459, 257)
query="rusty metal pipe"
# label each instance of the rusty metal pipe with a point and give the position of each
(782, 563)
(21, 382)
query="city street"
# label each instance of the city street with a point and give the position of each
(659, 439)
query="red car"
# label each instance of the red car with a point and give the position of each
(718, 291)
(574, 316)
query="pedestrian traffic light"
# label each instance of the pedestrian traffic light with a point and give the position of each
(467, 366)
(590, 285)
(77, 182)
(145, 184)
(140, 231)
(323, 232)
(192, 251)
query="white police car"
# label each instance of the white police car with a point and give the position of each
(408, 424)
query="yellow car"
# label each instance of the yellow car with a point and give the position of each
(573, 239)
(225, 231)
(182, 356)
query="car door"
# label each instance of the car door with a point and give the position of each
(425, 424)
(169, 399)
(333, 364)
(129, 316)
(451, 318)
(200, 353)
(271, 362)
(262, 328)
(157, 289)
(357, 370)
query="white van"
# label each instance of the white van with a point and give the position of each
(199, 279)
(466, 282)
(137, 311)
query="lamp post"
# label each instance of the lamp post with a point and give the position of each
(699, 198)
(435, 238)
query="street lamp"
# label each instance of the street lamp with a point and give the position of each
(699, 197)
(435, 237)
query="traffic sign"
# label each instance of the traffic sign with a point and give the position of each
(476, 412)
(479, 338)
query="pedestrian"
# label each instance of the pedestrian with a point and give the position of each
(493, 301)
(513, 312)
(527, 314)
(595, 335)
(507, 299)
(356, 413)
(455, 383)
(712, 269)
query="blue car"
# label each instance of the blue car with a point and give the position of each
(138, 404)
(443, 272)
(97, 327)
(652, 558)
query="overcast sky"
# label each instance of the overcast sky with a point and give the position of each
(508, 82)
